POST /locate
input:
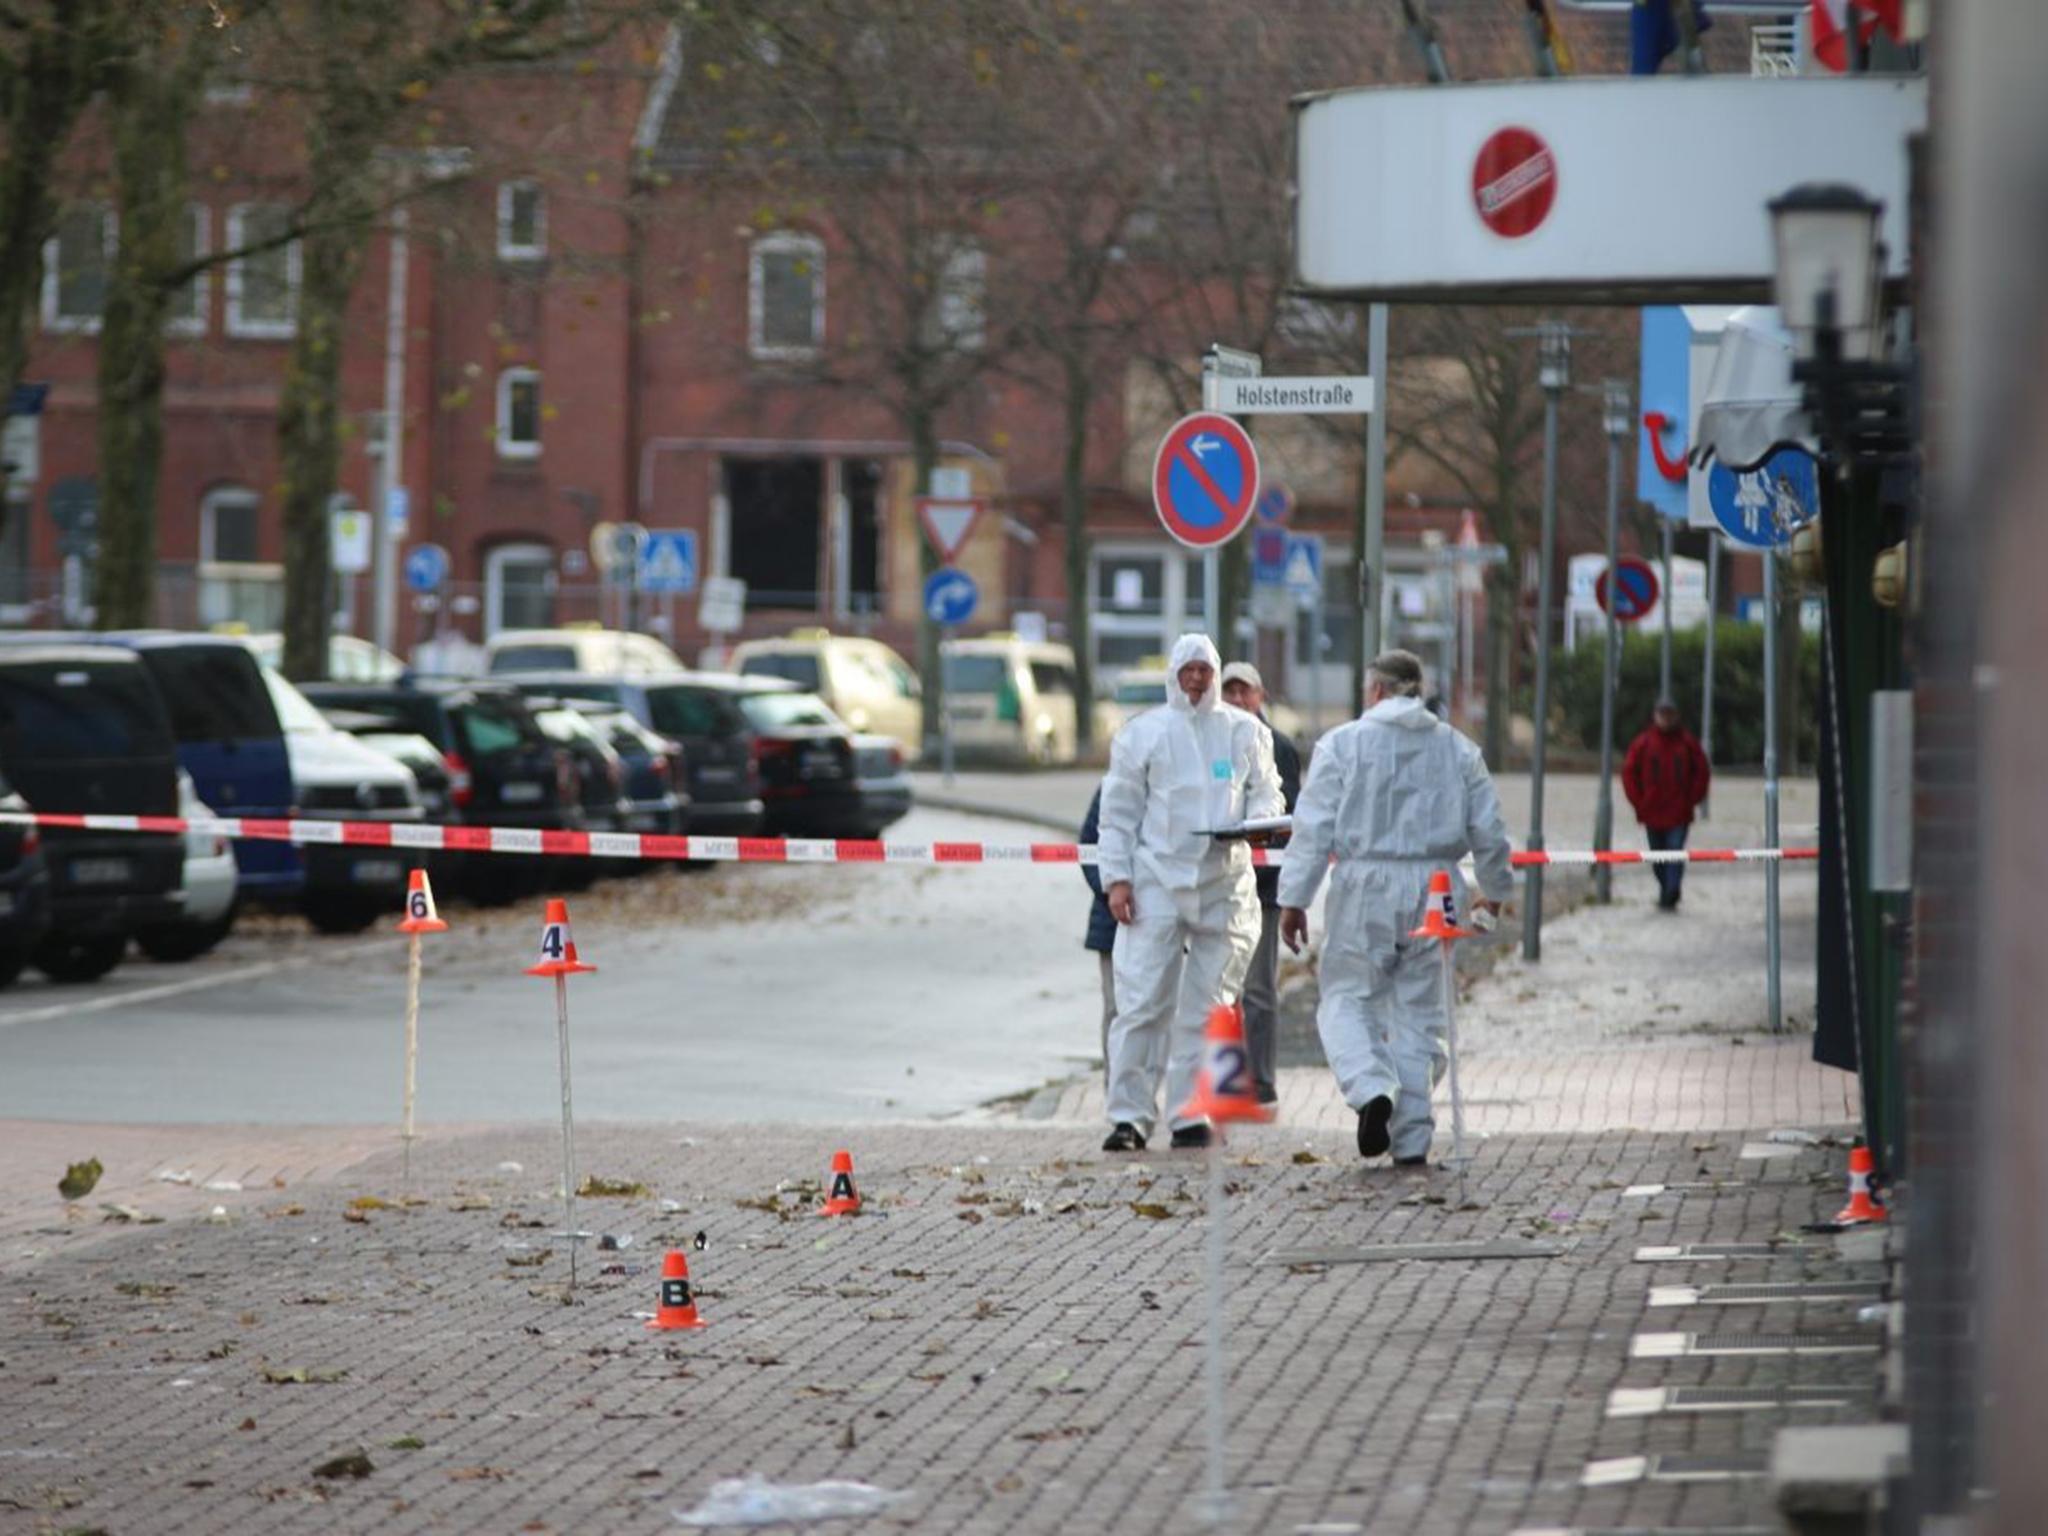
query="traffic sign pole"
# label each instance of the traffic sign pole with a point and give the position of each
(1774, 995)
(1707, 666)
(1603, 812)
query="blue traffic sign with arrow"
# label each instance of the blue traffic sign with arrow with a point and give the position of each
(950, 596)
(426, 567)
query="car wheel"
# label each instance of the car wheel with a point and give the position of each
(80, 957)
(339, 914)
(175, 943)
(12, 963)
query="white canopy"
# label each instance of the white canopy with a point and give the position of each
(1751, 407)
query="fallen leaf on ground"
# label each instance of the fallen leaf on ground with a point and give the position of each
(526, 1260)
(478, 1475)
(1151, 1211)
(349, 1464)
(79, 1179)
(596, 1188)
(1064, 1432)
(302, 1375)
(471, 1203)
(406, 1443)
(287, 1210)
(361, 1218)
(146, 1289)
(369, 1203)
(1305, 1157)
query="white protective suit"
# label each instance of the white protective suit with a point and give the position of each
(1395, 795)
(1176, 774)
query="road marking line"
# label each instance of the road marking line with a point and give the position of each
(180, 988)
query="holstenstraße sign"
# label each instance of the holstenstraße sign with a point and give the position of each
(1337, 395)
(1599, 190)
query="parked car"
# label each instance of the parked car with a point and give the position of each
(348, 886)
(411, 750)
(695, 711)
(578, 648)
(502, 769)
(349, 659)
(1012, 698)
(84, 730)
(654, 767)
(882, 778)
(24, 887)
(811, 778)
(207, 910)
(600, 779)
(862, 681)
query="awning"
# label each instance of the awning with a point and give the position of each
(1751, 407)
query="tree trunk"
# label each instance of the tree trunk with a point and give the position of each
(924, 458)
(148, 113)
(1080, 391)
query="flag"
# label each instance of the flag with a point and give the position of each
(1653, 32)
(1830, 27)
(1554, 40)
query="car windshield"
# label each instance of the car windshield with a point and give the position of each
(976, 674)
(70, 710)
(785, 711)
(213, 692)
(491, 726)
(533, 658)
(692, 712)
(582, 688)
(796, 668)
(1141, 690)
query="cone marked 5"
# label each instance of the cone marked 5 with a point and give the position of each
(420, 913)
(1440, 916)
(1861, 1207)
(844, 1199)
(558, 944)
(1224, 1091)
(678, 1307)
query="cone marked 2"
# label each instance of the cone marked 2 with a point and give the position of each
(1223, 1088)
(678, 1308)
(420, 913)
(844, 1199)
(1440, 917)
(1861, 1207)
(558, 944)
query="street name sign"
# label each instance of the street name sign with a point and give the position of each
(1335, 395)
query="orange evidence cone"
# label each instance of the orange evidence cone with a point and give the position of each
(678, 1307)
(844, 1199)
(1861, 1207)
(1223, 1088)
(558, 944)
(1440, 918)
(420, 913)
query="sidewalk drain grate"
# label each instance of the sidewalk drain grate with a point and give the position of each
(1643, 1402)
(1674, 1346)
(1764, 1292)
(1681, 1252)
(1673, 1469)
(1385, 1253)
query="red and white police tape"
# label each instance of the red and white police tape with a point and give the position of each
(742, 850)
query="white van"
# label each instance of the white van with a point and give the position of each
(578, 648)
(863, 682)
(1014, 698)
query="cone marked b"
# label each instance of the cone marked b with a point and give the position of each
(1861, 1207)
(1224, 1091)
(421, 916)
(844, 1199)
(558, 944)
(678, 1308)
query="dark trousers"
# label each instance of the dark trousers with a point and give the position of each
(1669, 876)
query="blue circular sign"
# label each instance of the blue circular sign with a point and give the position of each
(1205, 478)
(1763, 507)
(950, 596)
(1632, 592)
(426, 567)
(1275, 504)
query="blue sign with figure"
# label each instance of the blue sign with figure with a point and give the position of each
(1269, 555)
(950, 596)
(1763, 507)
(426, 567)
(668, 561)
(1305, 566)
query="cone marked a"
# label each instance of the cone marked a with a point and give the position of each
(844, 1199)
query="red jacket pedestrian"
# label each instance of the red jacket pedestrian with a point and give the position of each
(1665, 774)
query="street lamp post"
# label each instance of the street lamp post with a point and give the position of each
(1620, 427)
(1554, 376)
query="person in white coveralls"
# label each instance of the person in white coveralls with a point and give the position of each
(1395, 796)
(1187, 904)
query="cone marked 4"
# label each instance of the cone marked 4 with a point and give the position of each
(558, 944)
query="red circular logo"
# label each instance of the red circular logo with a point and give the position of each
(1514, 182)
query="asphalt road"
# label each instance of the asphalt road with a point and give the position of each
(739, 994)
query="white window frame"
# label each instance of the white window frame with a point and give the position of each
(784, 243)
(259, 330)
(522, 552)
(508, 248)
(209, 507)
(508, 447)
(960, 283)
(201, 217)
(110, 235)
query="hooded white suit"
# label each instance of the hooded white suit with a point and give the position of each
(1176, 774)
(1396, 795)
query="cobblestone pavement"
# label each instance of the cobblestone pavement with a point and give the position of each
(1010, 1334)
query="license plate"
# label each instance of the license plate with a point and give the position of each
(819, 765)
(522, 794)
(377, 871)
(717, 775)
(101, 871)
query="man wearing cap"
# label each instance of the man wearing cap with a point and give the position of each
(1244, 689)
(1665, 776)
(1186, 905)
(1394, 796)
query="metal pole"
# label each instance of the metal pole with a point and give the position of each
(1372, 558)
(1451, 1055)
(383, 536)
(568, 1130)
(412, 1048)
(1315, 669)
(1218, 1500)
(1212, 595)
(1603, 813)
(945, 714)
(1774, 1009)
(1707, 666)
(1670, 602)
(1532, 897)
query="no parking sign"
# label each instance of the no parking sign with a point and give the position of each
(1205, 479)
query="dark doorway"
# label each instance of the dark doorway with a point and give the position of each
(863, 481)
(776, 506)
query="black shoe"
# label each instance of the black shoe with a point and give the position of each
(1191, 1136)
(1372, 1127)
(1411, 1162)
(1125, 1138)
(1268, 1094)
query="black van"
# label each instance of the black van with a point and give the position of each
(83, 730)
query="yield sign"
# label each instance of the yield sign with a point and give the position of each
(948, 523)
(1205, 479)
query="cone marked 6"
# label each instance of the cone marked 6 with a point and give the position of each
(1223, 1088)
(558, 944)
(678, 1307)
(420, 913)
(844, 1200)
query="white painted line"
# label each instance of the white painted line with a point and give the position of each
(108, 1003)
